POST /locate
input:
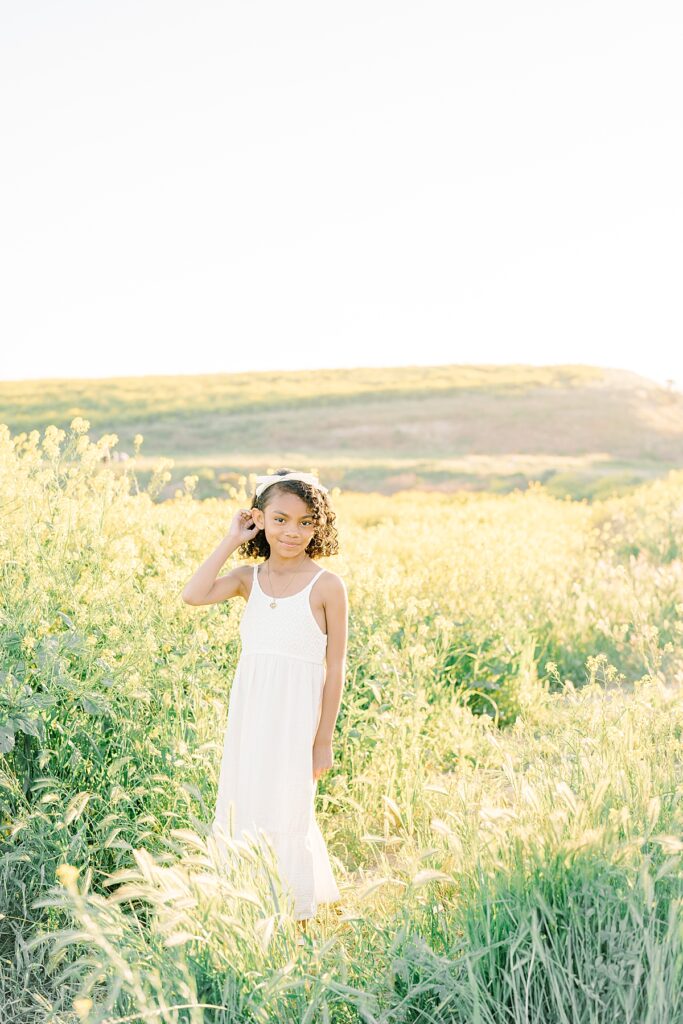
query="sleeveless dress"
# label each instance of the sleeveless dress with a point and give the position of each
(266, 776)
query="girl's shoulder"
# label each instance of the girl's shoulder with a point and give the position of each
(331, 581)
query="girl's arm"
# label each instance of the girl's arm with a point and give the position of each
(204, 587)
(336, 614)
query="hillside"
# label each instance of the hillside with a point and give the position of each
(580, 430)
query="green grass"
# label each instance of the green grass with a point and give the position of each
(505, 810)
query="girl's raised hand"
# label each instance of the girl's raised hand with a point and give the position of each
(243, 527)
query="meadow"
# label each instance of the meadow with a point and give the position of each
(582, 431)
(505, 811)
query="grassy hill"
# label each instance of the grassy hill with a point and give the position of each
(580, 430)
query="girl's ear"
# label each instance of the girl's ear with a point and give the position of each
(258, 517)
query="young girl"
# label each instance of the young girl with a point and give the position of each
(287, 687)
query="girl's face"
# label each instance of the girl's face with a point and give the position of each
(287, 523)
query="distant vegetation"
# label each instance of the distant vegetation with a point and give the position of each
(581, 431)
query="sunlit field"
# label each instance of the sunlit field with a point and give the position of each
(582, 431)
(505, 810)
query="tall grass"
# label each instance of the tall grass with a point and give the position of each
(504, 812)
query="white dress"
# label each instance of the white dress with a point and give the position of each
(266, 776)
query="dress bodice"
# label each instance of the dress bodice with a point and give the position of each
(290, 629)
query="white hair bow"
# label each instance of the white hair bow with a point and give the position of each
(265, 481)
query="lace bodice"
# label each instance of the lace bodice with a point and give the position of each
(290, 629)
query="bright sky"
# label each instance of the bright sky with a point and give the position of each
(196, 187)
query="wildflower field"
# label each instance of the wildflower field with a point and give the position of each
(505, 811)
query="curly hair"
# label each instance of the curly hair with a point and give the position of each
(324, 540)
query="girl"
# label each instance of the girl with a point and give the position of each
(284, 701)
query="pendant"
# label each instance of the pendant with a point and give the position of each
(272, 604)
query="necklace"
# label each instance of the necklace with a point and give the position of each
(272, 599)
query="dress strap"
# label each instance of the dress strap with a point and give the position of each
(310, 584)
(305, 589)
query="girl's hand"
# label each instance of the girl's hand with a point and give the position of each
(322, 758)
(243, 527)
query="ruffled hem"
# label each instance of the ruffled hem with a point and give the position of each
(304, 867)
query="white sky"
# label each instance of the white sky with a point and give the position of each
(196, 187)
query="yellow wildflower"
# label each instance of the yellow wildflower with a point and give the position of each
(82, 1006)
(67, 875)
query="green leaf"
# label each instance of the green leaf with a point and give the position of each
(6, 737)
(94, 706)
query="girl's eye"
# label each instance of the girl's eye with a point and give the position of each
(279, 519)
